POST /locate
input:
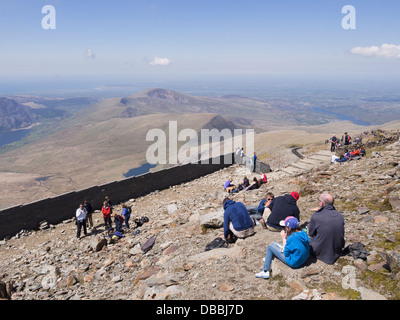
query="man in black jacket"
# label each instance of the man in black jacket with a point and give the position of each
(326, 231)
(281, 208)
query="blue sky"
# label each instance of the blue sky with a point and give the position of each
(193, 37)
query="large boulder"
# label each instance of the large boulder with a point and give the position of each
(213, 219)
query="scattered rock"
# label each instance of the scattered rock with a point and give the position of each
(213, 219)
(100, 245)
(367, 294)
(362, 210)
(393, 260)
(225, 288)
(308, 294)
(148, 273)
(71, 281)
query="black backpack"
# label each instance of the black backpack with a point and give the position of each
(216, 243)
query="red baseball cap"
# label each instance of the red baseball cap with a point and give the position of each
(295, 195)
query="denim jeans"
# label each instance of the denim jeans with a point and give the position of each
(274, 249)
(127, 221)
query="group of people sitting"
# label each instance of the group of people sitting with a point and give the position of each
(245, 184)
(321, 237)
(348, 156)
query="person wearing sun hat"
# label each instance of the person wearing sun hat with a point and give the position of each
(294, 250)
(282, 207)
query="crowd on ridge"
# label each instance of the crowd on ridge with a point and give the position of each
(348, 148)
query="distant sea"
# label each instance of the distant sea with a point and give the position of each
(259, 86)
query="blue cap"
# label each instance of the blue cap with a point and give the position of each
(290, 222)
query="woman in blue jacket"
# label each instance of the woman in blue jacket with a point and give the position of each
(294, 251)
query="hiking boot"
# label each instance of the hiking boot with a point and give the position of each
(263, 274)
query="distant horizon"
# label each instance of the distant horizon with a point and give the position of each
(249, 85)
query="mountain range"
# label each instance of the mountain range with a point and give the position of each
(103, 141)
(14, 115)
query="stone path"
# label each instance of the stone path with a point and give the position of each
(302, 166)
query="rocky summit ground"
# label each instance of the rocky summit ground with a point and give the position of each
(52, 264)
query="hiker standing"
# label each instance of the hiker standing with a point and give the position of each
(254, 162)
(347, 139)
(80, 220)
(126, 213)
(89, 214)
(106, 211)
(333, 140)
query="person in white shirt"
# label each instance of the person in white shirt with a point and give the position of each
(81, 220)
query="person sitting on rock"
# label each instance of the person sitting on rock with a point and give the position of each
(263, 178)
(228, 186)
(237, 222)
(254, 185)
(246, 182)
(362, 151)
(293, 251)
(326, 231)
(263, 208)
(281, 208)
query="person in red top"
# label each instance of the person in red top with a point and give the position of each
(355, 153)
(263, 178)
(106, 211)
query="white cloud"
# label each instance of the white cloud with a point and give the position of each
(160, 62)
(385, 51)
(89, 54)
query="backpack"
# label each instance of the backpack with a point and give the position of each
(118, 234)
(141, 221)
(216, 243)
(357, 251)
